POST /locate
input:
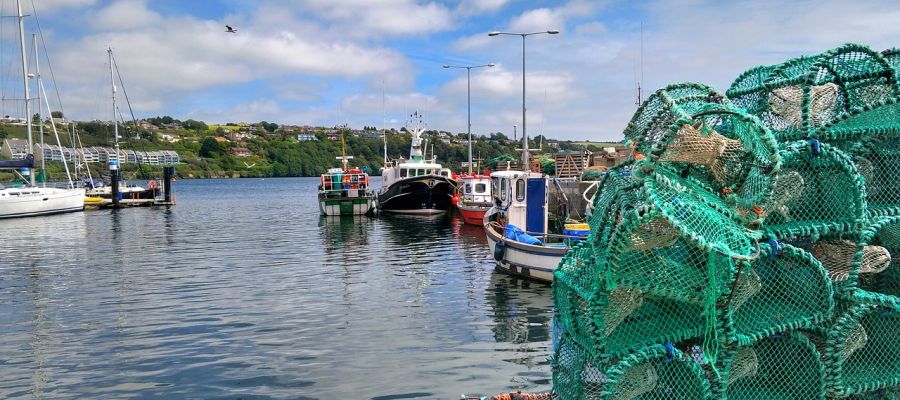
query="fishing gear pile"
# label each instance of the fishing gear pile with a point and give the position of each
(744, 251)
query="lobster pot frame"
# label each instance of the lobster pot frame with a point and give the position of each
(666, 108)
(657, 373)
(647, 253)
(893, 57)
(858, 259)
(653, 372)
(877, 159)
(615, 323)
(785, 366)
(801, 95)
(730, 150)
(862, 347)
(784, 289)
(817, 191)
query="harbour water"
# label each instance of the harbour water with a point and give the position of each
(242, 291)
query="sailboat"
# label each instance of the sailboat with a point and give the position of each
(345, 191)
(416, 186)
(126, 191)
(31, 199)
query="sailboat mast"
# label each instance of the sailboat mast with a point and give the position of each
(112, 81)
(25, 82)
(37, 72)
(383, 128)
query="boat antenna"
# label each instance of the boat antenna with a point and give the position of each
(640, 82)
(383, 128)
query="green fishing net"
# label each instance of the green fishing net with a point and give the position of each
(654, 373)
(798, 97)
(761, 371)
(862, 346)
(746, 249)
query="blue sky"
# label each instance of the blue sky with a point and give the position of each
(325, 62)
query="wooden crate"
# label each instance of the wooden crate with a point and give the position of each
(571, 165)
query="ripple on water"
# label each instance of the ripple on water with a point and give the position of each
(241, 290)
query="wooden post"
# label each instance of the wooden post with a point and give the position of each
(168, 171)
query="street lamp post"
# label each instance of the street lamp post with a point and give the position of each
(469, 100)
(525, 157)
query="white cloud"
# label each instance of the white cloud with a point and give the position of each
(474, 7)
(125, 14)
(381, 17)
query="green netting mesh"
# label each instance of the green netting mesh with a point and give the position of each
(818, 190)
(799, 96)
(722, 263)
(878, 160)
(862, 347)
(782, 290)
(762, 370)
(653, 372)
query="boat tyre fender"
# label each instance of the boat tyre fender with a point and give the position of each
(499, 250)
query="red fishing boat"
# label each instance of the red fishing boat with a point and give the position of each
(474, 198)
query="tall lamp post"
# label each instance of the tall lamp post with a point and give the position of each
(525, 161)
(468, 69)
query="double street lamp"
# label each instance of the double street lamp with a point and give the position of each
(525, 160)
(468, 69)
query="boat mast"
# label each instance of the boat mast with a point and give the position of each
(344, 158)
(416, 129)
(42, 94)
(112, 81)
(37, 72)
(383, 128)
(30, 140)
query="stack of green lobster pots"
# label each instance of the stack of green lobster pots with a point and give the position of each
(744, 250)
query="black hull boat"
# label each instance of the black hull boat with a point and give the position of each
(427, 194)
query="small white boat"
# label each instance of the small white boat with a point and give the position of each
(33, 201)
(517, 226)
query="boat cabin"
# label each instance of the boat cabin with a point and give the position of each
(405, 170)
(340, 183)
(476, 189)
(522, 197)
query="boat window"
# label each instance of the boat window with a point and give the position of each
(404, 172)
(468, 188)
(503, 185)
(445, 173)
(520, 190)
(495, 186)
(480, 188)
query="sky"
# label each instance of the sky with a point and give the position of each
(328, 62)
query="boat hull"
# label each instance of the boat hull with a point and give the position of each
(525, 260)
(39, 201)
(419, 195)
(473, 214)
(345, 206)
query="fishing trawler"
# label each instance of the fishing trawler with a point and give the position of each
(416, 186)
(345, 191)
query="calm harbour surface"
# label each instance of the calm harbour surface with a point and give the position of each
(242, 291)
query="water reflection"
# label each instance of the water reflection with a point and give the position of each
(242, 290)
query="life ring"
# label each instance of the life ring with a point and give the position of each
(153, 185)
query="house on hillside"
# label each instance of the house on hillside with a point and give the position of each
(14, 149)
(241, 152)
(305, 137)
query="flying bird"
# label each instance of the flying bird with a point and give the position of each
(229, 29)
(249, 165)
